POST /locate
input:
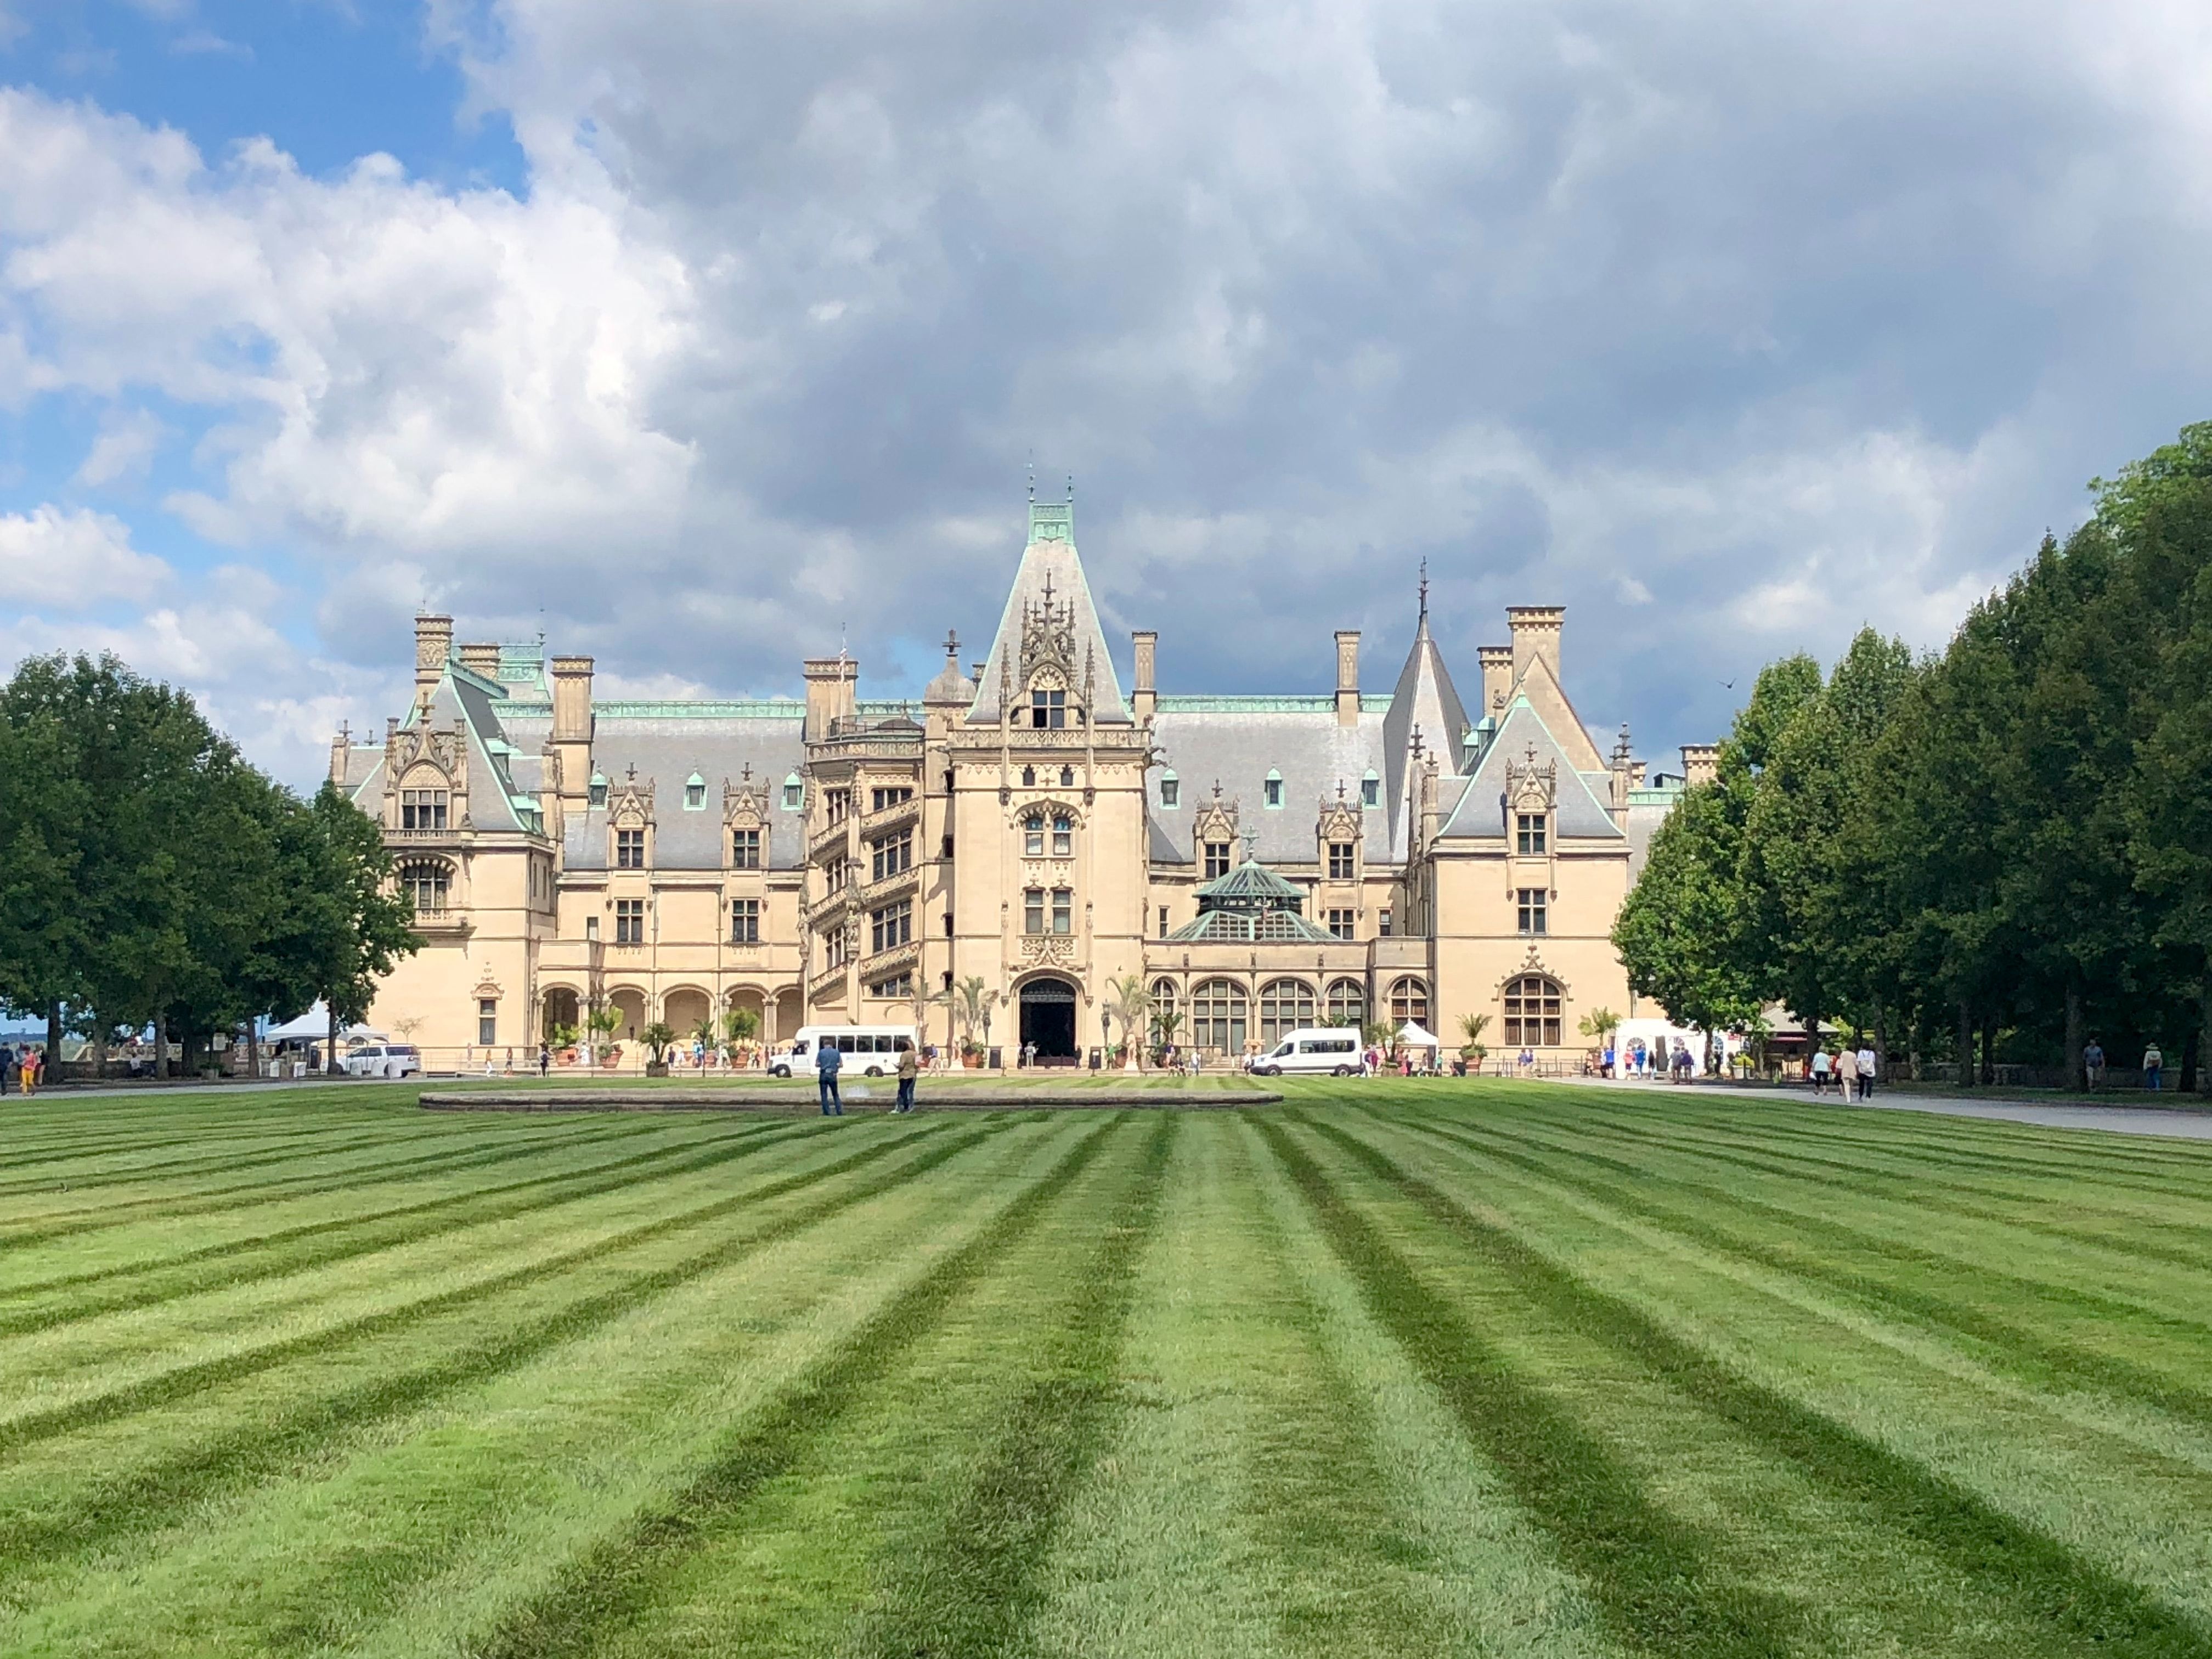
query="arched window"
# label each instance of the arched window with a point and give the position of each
(1370, 789)
(1272, 791)
(1219, 1016)
(1409, 1000)
(428, 883)
(599, 789)
(1532, 1012)
(1033, 835)
(1170, 790)
(1347, 1002)
(1029, 777)
(1165, 1024)
(1285, 1005)
(1067, 777)
(694, 794)
(1063, 835)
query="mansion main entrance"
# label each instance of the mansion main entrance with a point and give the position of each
(1048, 1018)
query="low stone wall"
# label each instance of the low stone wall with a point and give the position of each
(879, 1098)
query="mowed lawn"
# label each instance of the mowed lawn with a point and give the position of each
(1391, 1369)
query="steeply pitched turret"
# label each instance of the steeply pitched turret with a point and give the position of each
(1049, 624)
(1425, 700)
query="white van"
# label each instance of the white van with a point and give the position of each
(1331, 1048)
(870, 1050)
(383, 1059)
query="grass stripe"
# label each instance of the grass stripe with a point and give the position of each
(606, 1587)
(2017, 1566)
(147, 1498)
(2013, 1348)
(1653, 1577)
(291, 1149)
(350, 1238)
(180, 1381)
(967, 1590)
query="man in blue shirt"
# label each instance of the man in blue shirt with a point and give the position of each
(827, 1061)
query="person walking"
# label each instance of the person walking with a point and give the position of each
(1867, 1066)
(2092, 1063)
(827, 1063)
(2154, 1064)
(909, 1068)
(1846, 1068)
(34, 1062)
(1821, 1063)
(544, 1059)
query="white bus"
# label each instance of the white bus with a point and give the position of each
(870, 1050)
(1331, 1048)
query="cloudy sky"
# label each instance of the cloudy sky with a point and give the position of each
(700, 334)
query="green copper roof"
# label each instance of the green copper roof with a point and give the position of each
(1250, 927)
(1250, 886)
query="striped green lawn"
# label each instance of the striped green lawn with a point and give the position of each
(1483, 1369)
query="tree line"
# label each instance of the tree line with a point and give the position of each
(151, 876)
(1994, 853)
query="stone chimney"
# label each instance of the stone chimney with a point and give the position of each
(1347, 676)
(433, 647)
(1700, 763)
(1535, 634)
(1496, 662)
(832, 685)
(339, 745)
(571, 737)
(1624, 761)
(1144, 695)
(481, 660)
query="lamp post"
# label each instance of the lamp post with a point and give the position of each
(1106, 1035)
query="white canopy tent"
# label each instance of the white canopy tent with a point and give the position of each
(314, 1026)
(1410, 1036)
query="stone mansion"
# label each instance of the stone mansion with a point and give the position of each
(1261, 862)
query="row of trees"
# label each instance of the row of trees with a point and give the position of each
(1999, 852)
(149, 877)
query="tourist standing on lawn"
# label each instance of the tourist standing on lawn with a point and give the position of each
(2092, 1063)
(827, 1061)
(34, 1062)
(2154, 1063)
(909, 1068)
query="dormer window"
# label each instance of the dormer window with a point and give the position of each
(1217, 859)
(694, 793)
(1048, 710)
(1272, 791)
(1529, 833)
(1370, 790)
(794, 793)
(1170, 790)
(599, 789)
(630, 849)
(422, 809)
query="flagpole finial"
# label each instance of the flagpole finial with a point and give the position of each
(1425, 590)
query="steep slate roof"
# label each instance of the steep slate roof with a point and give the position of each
(1210, 740)
(1578, 811)
(666, 750)
(1425, 698)
(1050, 556)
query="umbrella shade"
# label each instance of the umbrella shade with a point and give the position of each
(1414, 1037)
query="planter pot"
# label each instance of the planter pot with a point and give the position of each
(656, 1068)
(971, 1062)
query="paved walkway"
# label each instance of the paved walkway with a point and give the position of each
(2191, 1123)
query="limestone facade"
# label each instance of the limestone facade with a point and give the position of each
(837, 860)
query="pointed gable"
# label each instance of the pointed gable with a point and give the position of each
(1425, 699)
(1049, 610)
(1541, 687)
(1523, 739)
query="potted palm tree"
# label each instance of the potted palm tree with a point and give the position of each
(656, 1037)
(1166, 1024)
(1598, 1025)
(739, 1027)
(1474, 1050)
(706, 1035)
(1128, 1002)
(971, 1004)
(602, 1023)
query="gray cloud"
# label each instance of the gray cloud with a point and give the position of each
(1731, 327)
